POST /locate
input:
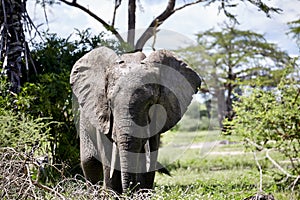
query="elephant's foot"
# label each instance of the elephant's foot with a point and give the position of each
(112, 182)
(146, 179)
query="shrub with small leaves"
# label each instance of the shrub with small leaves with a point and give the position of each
(269, 120)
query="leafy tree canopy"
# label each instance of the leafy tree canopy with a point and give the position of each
(295, 30)
(230, 59)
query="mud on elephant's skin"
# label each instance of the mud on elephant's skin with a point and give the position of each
(125, 102)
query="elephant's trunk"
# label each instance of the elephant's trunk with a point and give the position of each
(129, 179)
(133, 110)
(129, 151)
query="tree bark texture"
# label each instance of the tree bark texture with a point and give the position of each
(131, 22)
(12, 41)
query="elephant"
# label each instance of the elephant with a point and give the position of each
(124, 103)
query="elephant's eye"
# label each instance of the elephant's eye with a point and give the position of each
(120, 61)
(183, 64)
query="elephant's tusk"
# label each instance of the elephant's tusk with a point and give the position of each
(113, 159)
(148, 160)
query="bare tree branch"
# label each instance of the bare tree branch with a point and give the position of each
(288, 175)
(260, 172)
(154, 24)
(157, 21)
(117, 5)
(188, 4)
(106, 25)
(260, 148)
(152, 28)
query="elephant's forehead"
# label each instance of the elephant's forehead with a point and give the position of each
(128, 76)
(134, 69)
(136, 57)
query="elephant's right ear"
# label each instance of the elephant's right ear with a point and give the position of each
(89, 85)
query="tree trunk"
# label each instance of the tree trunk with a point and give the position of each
(12, 38)
(229, 109)
(220, 94)
(131, 23)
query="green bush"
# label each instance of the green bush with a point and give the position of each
(18, 129)
(22, 131)
(269, 120)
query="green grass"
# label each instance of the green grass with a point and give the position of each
(206, 173)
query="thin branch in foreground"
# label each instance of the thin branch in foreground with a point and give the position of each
(283, 171)
(258, 147)
(278, 166)
(292, 186)
(260, 172)
(44, 187)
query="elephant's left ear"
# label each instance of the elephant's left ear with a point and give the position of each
(170, 59)
(89, 85)
(178, 84)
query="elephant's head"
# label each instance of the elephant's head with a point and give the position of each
(132, 99)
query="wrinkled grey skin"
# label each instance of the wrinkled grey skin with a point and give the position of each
(120, 121)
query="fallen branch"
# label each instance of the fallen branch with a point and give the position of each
(44, 187)
(16, 181)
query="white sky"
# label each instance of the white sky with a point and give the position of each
(182, 26)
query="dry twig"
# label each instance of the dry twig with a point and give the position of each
(17, 182)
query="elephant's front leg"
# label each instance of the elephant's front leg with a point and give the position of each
(92, 169)
(112, 181)
(90, 163)
(111, 173)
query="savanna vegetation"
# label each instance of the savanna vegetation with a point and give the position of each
(257, 151)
